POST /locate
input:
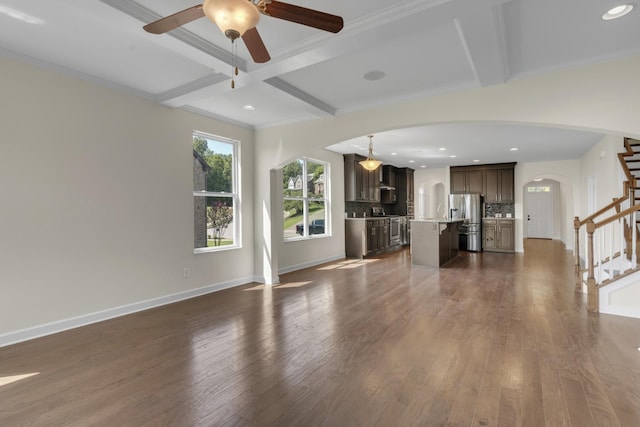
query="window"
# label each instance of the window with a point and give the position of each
(305, 194)
(215, 193)
(539, 189)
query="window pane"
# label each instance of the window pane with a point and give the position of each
(539, 189)
(212, 165)
(293, 182)
(304, 200)
(316, 217)
(293, 217)
(213, 221)
(316, 185)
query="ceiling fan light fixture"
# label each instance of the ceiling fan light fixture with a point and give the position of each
(233, 17)
(370, 163)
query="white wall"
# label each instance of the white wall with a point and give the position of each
(96, 203)
(602, 162)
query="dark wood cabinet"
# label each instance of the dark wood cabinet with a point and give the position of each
(498, 235)
(494, 181)
(360, 185)
(467, 181)
(388, 193)
(404, 192)
(365, 237)
(505, 182)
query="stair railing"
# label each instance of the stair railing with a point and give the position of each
(606, 243)
(610, 233)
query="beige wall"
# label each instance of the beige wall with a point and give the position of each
(96, 203)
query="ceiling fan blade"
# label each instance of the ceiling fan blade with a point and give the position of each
(255, 45)
(304, 16)
(174, 21)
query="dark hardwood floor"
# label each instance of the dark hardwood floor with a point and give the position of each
(490, 340)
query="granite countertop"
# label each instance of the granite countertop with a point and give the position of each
(495, 217)
(360, 218)
(439, 220)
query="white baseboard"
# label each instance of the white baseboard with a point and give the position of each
(310, 264)
(26, 334)
(605, 293)
(620, 311)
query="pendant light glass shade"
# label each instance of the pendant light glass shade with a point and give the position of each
(370, 164)
(233, 17)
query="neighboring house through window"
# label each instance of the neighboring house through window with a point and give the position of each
(216, 200)
(306, 200)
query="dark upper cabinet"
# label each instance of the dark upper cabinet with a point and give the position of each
(404, 192)
(458, 179)
(360, 185)
(494, 181)
(505, 181)
(388, 193)
(467, 181)
(499, 185)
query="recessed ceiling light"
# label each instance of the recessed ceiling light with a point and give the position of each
(476, 161)
(249, 107)
(442, 149)
(538, 179)
(452, 156)
(617, 12)
(374, 75)
(513, 149)
(394, 154)
(423, 166)
(412, 161)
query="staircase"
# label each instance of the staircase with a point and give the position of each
(611, 236)
(630, 161)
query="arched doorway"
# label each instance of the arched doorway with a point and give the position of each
(431, 200)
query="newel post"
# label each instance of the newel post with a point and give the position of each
(592, 288)
(576, 255)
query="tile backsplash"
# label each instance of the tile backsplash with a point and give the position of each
(491, 209)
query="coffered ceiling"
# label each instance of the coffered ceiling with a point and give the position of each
(387, 51)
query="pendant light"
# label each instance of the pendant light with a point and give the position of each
(370, 164)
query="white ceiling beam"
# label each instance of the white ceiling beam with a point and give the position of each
(481, 33)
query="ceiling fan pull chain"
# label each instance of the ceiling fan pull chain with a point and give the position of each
(233, 64)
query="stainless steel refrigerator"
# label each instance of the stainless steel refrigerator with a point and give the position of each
(469, 208)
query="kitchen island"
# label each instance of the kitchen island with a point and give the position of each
(434, 242)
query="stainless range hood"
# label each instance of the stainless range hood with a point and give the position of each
(387, 178)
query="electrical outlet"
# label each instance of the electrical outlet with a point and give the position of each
(186, 273)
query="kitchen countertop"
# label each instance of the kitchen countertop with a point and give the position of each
(360, 218)
(495, 217)
(439, 220)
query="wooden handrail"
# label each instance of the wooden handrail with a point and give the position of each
(619, 200)
(617, 216)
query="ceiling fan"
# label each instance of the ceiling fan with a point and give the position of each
(238, 18)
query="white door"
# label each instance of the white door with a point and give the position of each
(539, 215)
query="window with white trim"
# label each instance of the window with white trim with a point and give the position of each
(305, 199)
(215, 193)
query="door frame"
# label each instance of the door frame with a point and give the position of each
(555, 187)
